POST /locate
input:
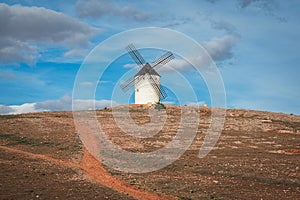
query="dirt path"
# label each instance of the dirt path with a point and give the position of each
(93, 169)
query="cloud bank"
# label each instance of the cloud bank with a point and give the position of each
(22, 28)
(219, 50)
(99, 8)
(268, 7)
(62, 104)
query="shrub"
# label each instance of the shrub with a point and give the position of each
(159, 106)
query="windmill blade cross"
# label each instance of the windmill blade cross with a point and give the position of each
(164, 59)
(128, 84)
(157, 63)
(159, 90)
(136, 56)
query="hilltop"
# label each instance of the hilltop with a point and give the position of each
(257, 156)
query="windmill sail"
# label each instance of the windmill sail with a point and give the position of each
(146, 70)
(164, 59)
(161, 93)
(136, 56)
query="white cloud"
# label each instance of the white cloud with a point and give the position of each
(65, 103)
(88, 104)
(13, 50)
(98, 8)
(22, 28)
(176, 65)
(5, 109)
(62, 104)
(130, 65)
(200, 103)
(103, 82)
(263, 4)
(168, 102)
(25, 108)
(18, 109)
(87, 83)
(223, 25)
(269, 7)
(76, 52)
(219, 49)
(90, 83)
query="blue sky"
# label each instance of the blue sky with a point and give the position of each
(253, 42)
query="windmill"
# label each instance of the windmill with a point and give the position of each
(147, 80)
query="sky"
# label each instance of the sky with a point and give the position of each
(254, 44)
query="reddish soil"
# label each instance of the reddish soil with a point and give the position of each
(94, 170)
(257, 156)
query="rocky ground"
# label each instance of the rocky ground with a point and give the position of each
(256, 157)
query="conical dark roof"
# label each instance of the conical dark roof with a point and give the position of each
(147, 69)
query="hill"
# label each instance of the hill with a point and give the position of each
(257, 156)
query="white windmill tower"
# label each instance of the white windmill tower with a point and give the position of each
(147, 80)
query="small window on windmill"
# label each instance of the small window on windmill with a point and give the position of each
(137, 90)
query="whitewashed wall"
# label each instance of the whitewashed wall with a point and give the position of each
(144, 91)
